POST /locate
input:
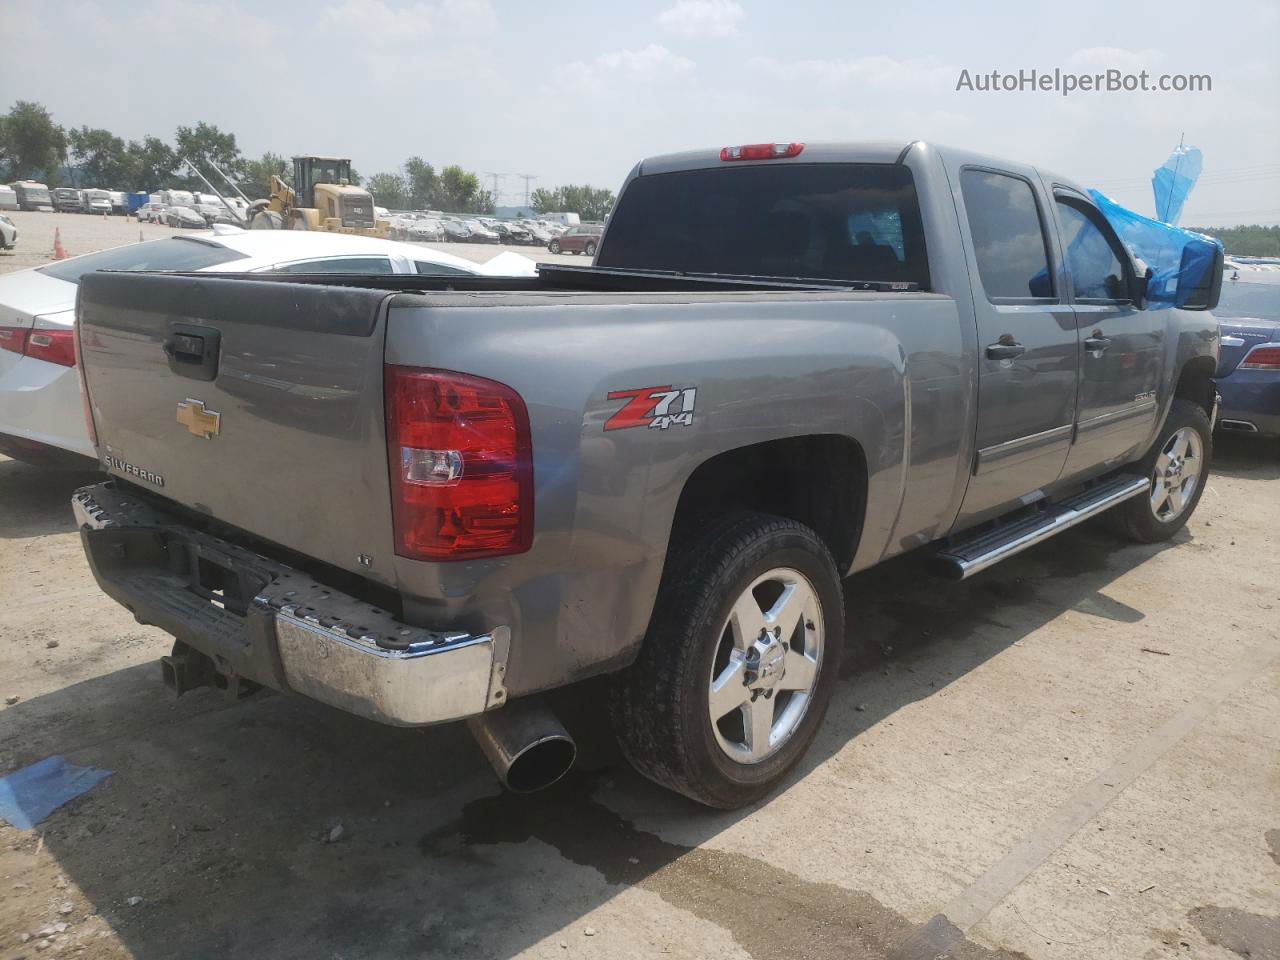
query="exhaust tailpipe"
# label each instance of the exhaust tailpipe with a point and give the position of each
(527, 746)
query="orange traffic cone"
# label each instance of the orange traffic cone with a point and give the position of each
(59, 253)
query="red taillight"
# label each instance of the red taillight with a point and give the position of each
(14, 339)
(761, 151)
(461, 465)
(55, 346)
(1262, 358)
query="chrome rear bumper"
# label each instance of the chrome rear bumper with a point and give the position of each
(264, 621)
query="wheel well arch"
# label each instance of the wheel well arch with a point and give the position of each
(819, 480)
(1195, 382)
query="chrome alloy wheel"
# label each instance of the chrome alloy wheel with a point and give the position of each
(1177, 474)
(766, 665)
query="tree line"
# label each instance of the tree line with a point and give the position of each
(417, 185)
(33, 146)
(592, 204)
(1246, 241)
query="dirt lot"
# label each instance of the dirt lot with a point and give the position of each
(1075, 754)
(82, 233)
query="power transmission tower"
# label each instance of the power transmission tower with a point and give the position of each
(497, 177)
(526, 177)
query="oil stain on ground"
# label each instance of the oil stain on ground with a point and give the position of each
(1248, 934)
(772, 914)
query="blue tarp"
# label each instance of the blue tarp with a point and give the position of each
(1173, 181)
(29, 795)
(1179, 259)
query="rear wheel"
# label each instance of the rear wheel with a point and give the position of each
(1178, 465)
(591, 248)
(739, 663)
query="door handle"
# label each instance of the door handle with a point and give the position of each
(1005, 349)
(1230, 341)
(1096, 344)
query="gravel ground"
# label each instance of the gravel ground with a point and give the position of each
(82, 233)
(1075, 754)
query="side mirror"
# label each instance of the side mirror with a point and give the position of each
(1199, 283)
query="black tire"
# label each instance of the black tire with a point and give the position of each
(660, 705)
(1137, 519)
(554, 246)
(590, 248)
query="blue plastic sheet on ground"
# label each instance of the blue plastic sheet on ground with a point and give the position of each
(29, 795)
(1172, 182)
(1179, 259)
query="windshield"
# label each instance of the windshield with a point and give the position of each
(173, 253)
(1243, 300)
(328, 171)
(796, 220)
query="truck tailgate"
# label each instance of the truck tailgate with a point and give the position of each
(256, 403)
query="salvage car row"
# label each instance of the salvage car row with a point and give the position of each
(30, 195)
(443, 228)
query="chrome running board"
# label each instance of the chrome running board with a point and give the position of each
(975, 553)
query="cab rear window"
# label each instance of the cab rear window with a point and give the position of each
(171, 253)
(848, 221)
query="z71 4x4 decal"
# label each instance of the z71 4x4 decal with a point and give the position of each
(653, 407)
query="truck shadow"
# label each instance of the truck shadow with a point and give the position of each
(219, 816)
(1236, 455)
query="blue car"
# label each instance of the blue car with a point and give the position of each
(1249, 365)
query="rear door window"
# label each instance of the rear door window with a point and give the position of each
(171, 253)
(1008, 236)
(427, 269)
(834, 221)
(367, 265)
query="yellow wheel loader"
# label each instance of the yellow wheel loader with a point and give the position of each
(321, 197)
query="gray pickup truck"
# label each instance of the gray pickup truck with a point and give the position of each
(422, 499)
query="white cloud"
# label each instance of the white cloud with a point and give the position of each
(653, 59)
(378, 19)
(651, 62)
(702, 18)
(1104, 58)
(401, 25)
(476, 15)
(874, 71)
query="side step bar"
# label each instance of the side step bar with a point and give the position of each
(968, 556)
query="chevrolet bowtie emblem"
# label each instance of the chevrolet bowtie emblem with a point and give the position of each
(201, 422)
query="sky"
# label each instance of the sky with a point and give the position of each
(574, 93)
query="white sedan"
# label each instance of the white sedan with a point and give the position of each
(152, 212)
(41, 418)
